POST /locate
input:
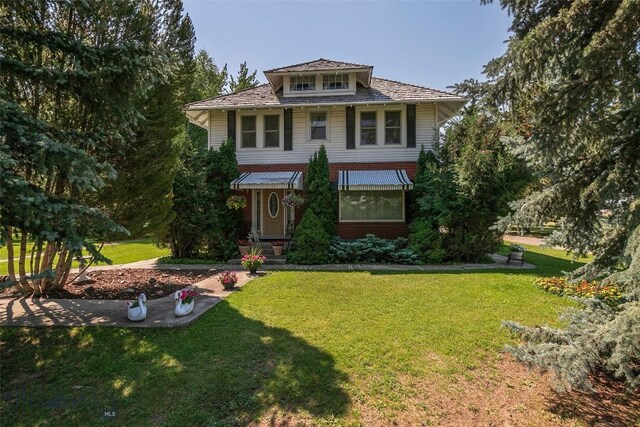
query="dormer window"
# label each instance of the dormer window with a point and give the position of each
(302, 83)
(335, 82)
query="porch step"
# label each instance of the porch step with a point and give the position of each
(271, 260)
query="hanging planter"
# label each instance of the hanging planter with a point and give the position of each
(236, 202)
(292, 200)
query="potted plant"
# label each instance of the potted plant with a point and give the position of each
(185, 300)
(253, 260)
(228, 279)
(292, 200)
(516, 253)
(236, 202)
(243, 246)
(278, 247)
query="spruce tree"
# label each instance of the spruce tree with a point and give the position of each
(573, 67)
(319, 195)
(72, 73)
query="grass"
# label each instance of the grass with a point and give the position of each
(321, 347)
(118, 252)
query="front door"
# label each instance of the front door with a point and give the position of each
(273, 214)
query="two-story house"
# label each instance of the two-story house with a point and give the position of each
(372, 128)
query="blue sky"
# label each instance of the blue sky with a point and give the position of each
(429, 43)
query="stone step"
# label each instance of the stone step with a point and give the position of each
(271, 260)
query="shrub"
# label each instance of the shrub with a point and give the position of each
(609, 293)
(372, 249)
(310, 244)
(426, 241)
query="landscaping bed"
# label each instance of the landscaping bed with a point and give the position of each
(127, 283)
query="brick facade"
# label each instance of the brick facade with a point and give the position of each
(345, 230)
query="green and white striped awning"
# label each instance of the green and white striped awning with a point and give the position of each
(396, 179)
(268, 180)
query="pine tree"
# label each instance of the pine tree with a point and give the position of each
(318, 192)
(574, 67)
(245, 80)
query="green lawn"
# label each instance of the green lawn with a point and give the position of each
(321, 348)
(118, 253)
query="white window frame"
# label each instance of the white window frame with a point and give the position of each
(396, 221)
(380, 124)
(271, 194)
(377, 128)
(315, 111)
(259, 129)
(335, 76)
(312, 80)
(384, 122)
(264, 130)
(255, 131)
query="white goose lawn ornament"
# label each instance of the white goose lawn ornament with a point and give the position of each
(138, 313)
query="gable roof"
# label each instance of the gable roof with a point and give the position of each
(321, 64)
(380, 91)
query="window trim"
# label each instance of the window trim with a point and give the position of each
(396, 221)
(375, 113)
(273, 193)
(380, 109)
(312, 81)
(254, 131)
(342, 81)
(310, 112)
(384, 115)
(260, 129)
(264, 130)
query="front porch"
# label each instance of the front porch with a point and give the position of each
(267, 216)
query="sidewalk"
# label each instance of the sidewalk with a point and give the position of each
(526, 240)
(80, 312)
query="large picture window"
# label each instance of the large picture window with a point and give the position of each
(248, 131)
(272, 131)
(376, 206)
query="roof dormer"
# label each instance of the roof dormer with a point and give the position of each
(319, 77)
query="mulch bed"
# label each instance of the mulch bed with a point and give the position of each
(127, 284)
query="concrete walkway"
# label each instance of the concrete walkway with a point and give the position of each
(526, 240)
(79, 312)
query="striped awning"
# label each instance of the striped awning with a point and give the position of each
(396, 179)
(266, 180)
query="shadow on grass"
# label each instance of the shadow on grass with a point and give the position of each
(226, 369)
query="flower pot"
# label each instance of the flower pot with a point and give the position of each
(253, 270)
(277, 250)
(228, 286)
(184, 309)
(244, 249)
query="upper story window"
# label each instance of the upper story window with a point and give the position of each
(392, 127)
(318, 122)
(248, 131)
(272, 131)
(302, 83)
(334, 82)
(368, 128)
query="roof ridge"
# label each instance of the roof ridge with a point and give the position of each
(415, 85)
(228, 94)
(272, 70)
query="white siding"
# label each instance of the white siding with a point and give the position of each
(335, 144)
(218, 128)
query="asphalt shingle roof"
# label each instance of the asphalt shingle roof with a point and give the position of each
(318, 65)
(380, 90)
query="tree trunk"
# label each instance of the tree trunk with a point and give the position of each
(11, 267)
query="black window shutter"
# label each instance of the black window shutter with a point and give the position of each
(231, 125)
(288, 130)
(411, 126)
(351, 128)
